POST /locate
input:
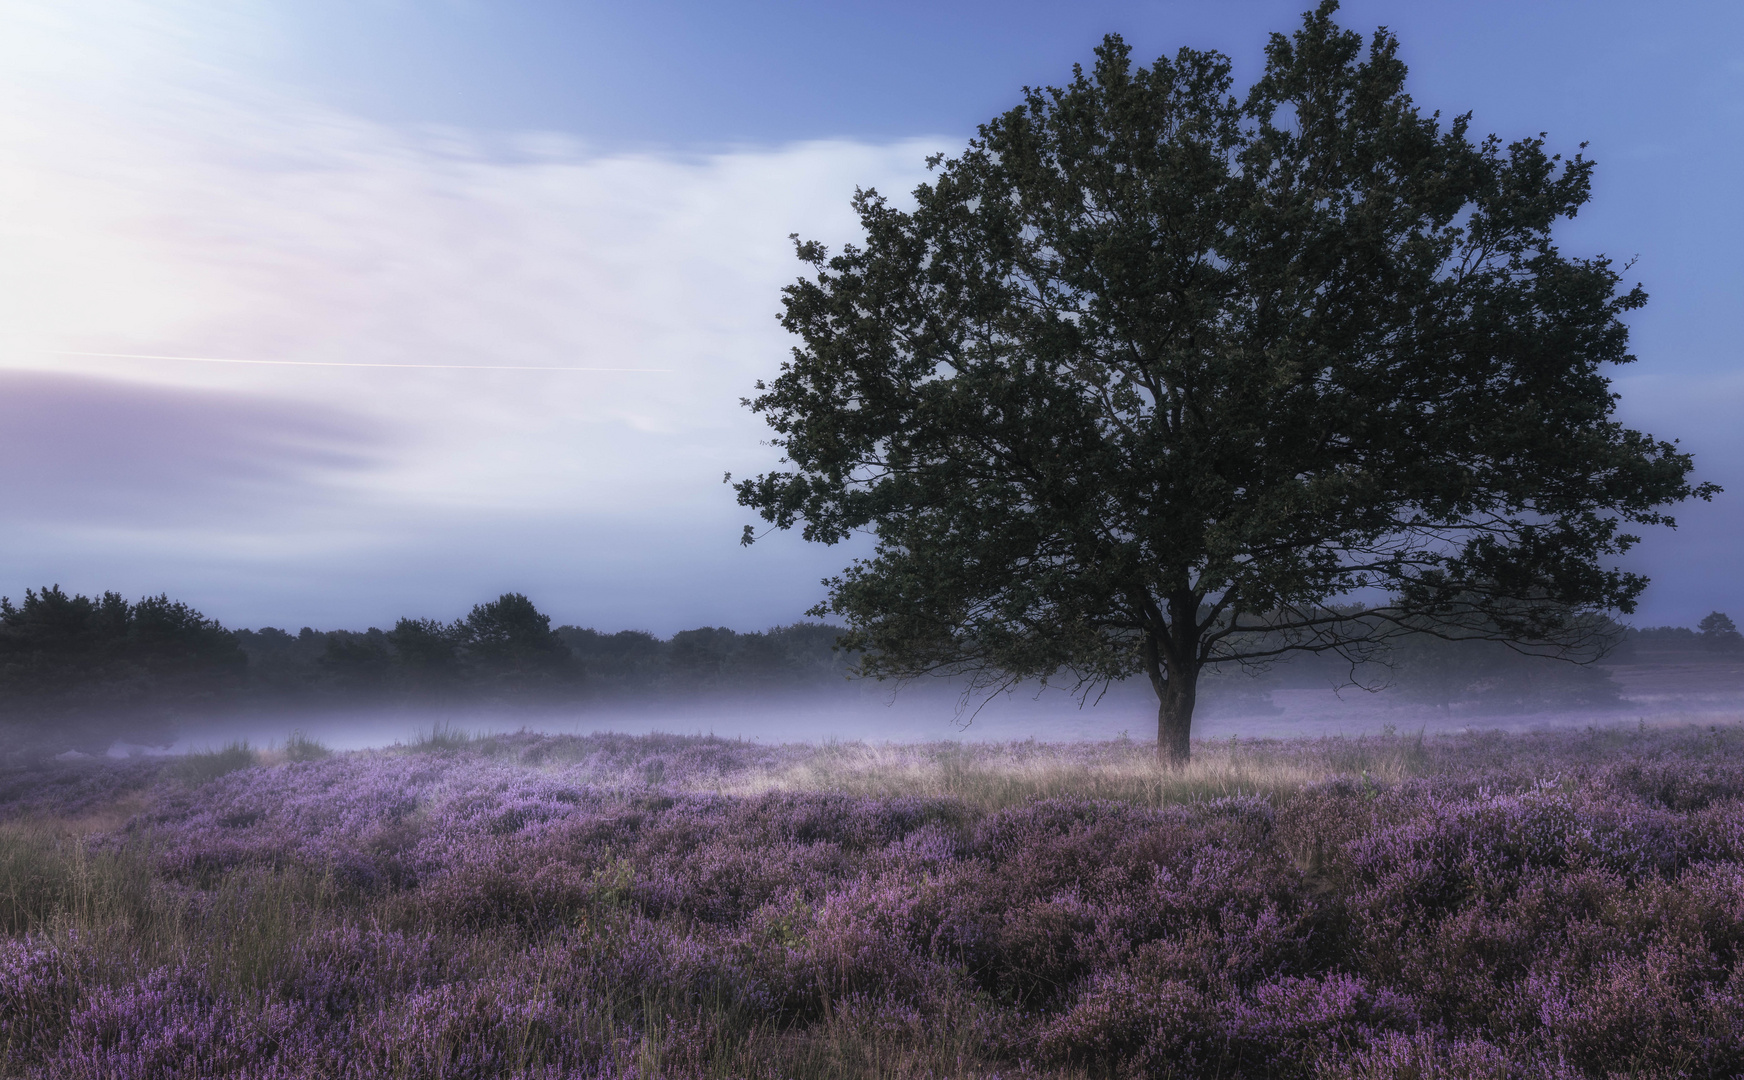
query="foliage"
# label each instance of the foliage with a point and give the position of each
(1715, 638)
(1489, 673)
(1719, 632)
(506, 651)
(1151, 376)
(69, 663)
(358, 664)
(78, 673)
(432, 662)
(1560, 904)
(509, 626)
(428, 648)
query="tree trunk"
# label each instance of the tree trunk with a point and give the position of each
(1170, 653)
(1175, 699)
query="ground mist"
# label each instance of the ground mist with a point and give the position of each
(1559, 904)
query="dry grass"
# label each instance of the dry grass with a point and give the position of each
(203, 765)
(444, 736)
(56, 883)
(296, 748)
(993, 776)
(110, 906)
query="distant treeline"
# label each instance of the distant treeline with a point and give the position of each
(507, 651)
(1488, 677)
(70, 664)
(1716, 636)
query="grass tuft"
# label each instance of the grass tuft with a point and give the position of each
(205, 765)
(442, 736)
(300, 747)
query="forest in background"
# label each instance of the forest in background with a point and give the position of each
(80, 671)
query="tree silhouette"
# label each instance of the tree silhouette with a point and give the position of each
(1719, 632)
(1153, 379)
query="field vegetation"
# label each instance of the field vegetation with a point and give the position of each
(1565, 904)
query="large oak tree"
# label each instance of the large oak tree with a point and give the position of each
(1153, 377)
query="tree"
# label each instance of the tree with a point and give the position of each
(80, 671)
(428, 650)
(1718, 631)
(1152, 379)
(1487, 675)
(509, 642)
(358, 663)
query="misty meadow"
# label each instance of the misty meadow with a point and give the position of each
(1275, 420)
(89, 675)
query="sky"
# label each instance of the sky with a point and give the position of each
(605, 191)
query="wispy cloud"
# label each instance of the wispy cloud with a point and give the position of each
(82, 451)
(162, 205)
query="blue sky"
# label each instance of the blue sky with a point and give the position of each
(611, 185)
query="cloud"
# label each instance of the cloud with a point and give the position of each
(168, 206)
(102, 452)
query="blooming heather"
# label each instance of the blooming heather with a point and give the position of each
(1558, 904)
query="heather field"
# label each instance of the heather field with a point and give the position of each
(1547, 904)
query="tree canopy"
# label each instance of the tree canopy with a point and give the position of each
(1718, 631)
(69, 661)
(1154, 377)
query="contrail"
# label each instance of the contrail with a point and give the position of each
(342, 363)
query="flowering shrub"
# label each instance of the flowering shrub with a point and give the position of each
(1558, 904)
(37, 993)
